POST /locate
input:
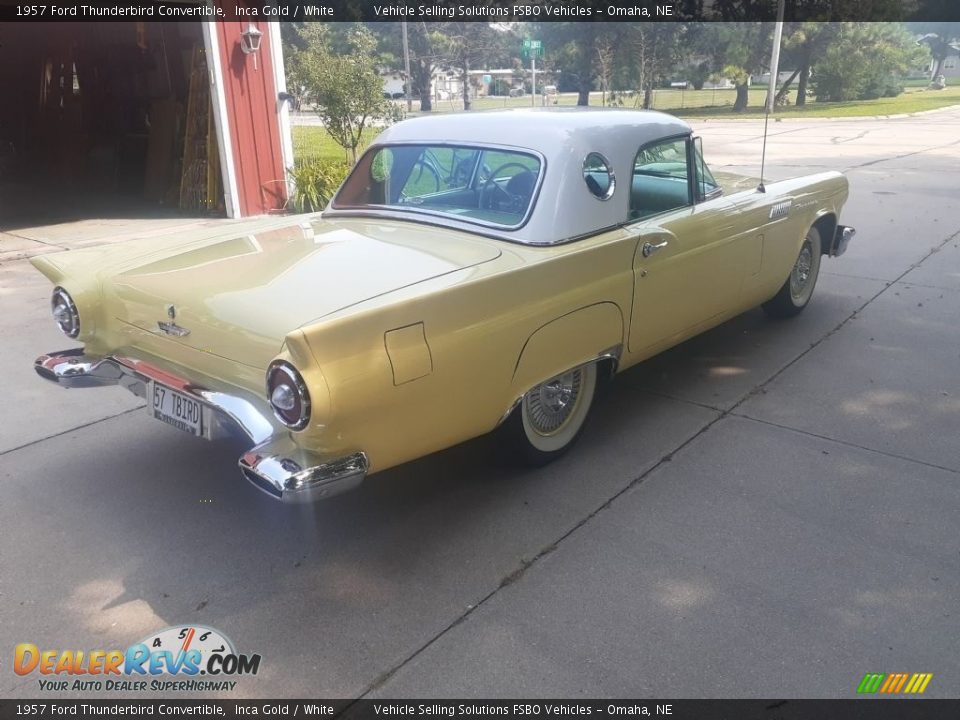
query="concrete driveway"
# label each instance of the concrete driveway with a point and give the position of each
(768, 510)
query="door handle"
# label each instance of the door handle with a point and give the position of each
(649, 249)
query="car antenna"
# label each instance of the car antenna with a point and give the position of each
(771, 87)
(763, 157)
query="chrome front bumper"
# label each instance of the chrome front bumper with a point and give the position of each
(275, 465)
(841, 239)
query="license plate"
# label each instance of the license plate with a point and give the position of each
(174, 408)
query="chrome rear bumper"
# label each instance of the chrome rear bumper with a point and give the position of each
(275, 465)
(274, 468)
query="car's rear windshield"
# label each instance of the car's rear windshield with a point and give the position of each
(489, 186)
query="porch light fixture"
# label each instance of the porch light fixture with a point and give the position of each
(250, 42)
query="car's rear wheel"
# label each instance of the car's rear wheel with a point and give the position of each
(551, 416)
(796, 292)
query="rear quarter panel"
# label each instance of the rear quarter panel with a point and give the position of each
(488, 336)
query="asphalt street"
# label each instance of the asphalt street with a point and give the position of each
(770, 509)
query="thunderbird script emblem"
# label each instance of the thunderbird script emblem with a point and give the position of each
(171, 328)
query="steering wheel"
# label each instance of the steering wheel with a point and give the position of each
(423, 180)
(489, 199)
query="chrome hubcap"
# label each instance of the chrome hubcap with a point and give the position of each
(800, 277)
(550, 405)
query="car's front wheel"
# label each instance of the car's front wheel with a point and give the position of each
(796, 292)
(551, 415)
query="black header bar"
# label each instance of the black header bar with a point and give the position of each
(853, 709)
(482, 10)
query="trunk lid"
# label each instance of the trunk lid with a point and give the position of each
(237, 298)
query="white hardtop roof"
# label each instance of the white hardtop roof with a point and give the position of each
(545, 130)
(564, 208)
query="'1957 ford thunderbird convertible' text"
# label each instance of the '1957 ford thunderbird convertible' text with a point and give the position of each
(474, 272)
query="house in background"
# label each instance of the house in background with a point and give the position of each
(392, 84)
(951, 66)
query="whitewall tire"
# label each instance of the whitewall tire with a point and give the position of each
(551, 415)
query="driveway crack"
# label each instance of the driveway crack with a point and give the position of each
(70, 430)
(846, 443)
(901, 156)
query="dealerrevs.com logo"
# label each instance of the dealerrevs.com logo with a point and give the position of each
(183, 658)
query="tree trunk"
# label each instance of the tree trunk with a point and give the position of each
(585, 71)
(938, 68)
(421, 76)
(743, 98)
(647, 98)
(782, 92)
(465, 79)
(804, 79)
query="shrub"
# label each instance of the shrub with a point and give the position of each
(314, 183)
(864, 63)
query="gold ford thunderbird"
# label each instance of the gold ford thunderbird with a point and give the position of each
(474, 273)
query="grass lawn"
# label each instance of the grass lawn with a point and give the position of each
(314, 142)
(913, 100)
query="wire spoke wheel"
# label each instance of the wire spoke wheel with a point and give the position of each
(797, 290)
(550, 405)
(552, 414)
(801, 274)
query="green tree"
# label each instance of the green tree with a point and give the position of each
(652, 52)
(472, 45)
(865, 61)
(737, 50)
(572, 52)
(347, 88)
(802, 43)
(429, 48)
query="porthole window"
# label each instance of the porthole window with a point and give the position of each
(598, 176)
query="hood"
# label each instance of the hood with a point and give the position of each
(733, 183)
(240, 297)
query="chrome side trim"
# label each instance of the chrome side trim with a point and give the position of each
(611, 353)
(289, 474)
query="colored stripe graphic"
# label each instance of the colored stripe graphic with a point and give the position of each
(923, 682)
(870, 683)
(894, 683)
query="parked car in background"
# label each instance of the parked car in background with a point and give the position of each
(474, 273)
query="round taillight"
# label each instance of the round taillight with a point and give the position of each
(65, 312)
(288, 395)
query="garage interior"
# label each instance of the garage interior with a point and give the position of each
(105, 120)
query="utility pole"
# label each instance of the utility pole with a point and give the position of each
(533, 79)
(775, 58)
(406, 67)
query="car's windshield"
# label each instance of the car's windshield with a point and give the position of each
(490, 186)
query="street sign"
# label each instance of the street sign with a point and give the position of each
(531, 47)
